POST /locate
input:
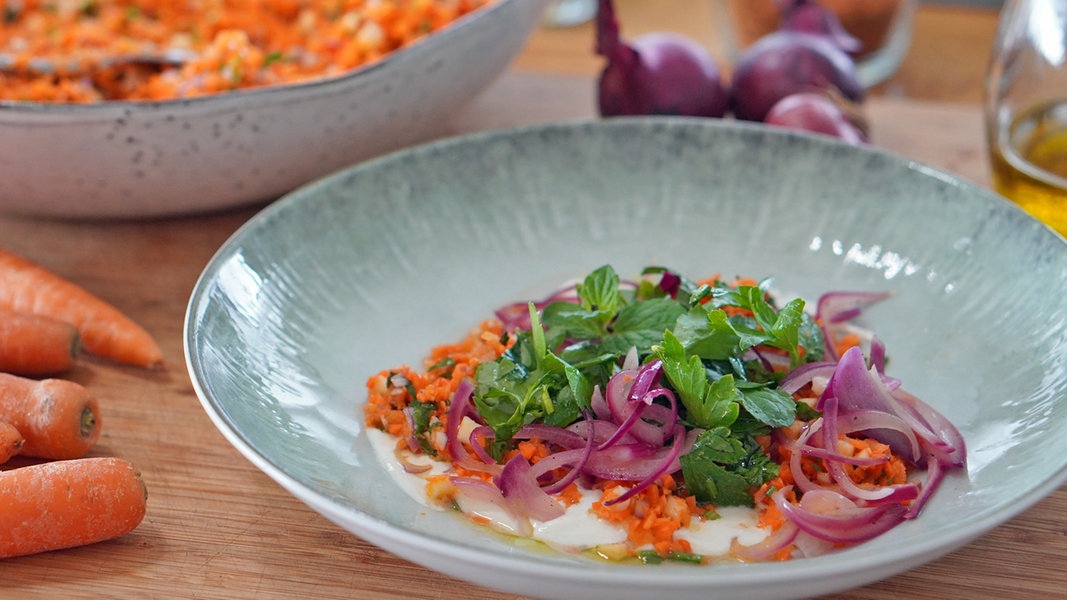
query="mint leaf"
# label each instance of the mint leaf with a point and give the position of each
(810, 338)
(569, 320)
(599, 291)
(641, 324)
(769, 406)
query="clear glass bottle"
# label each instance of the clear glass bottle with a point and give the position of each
(1026, 108)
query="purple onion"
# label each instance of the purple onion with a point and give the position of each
(809, 17)
(784, 63)
(817, 113)
(656, 73)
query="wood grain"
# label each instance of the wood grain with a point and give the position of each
(218, 528)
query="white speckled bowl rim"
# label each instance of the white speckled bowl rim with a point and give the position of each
(187, 156)
(106, 110)
(329, 285)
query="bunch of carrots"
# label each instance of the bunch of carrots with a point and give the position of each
(46, 323)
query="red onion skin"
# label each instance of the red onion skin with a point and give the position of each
(809, 17)
(656, 74)
(784, 63)
(816, 113)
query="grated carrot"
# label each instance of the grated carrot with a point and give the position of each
(239, 43)
(652, 516)
(845, 342)
(390, 390)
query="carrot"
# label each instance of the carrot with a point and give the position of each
(237, 44)
(11, 441)
(35, 344)
(68, 503)
(104, 330)
(60, 419)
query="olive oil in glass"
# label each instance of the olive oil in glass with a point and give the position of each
(1029, 163)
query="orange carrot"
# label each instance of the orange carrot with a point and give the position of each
(68, 503)
(60, 419)
(11, 441)
(104, 330)
(35, 344)
(237, 44)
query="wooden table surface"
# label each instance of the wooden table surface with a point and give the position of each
(218, 528)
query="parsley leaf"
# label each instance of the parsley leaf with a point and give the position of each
(706, 404)
(722, 468)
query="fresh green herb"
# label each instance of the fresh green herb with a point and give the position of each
(652, 557)
(722, 467)
(529, 383)
(686, 557)
(649, 557)
(420, 415)
(273, 57)
(707, 403)
(702, 334)
(447, 364)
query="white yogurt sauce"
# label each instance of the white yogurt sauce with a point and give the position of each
(713, 537)
(578, 528)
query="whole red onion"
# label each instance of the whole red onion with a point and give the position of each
(788, 62)
(656, 74)
(817, 113)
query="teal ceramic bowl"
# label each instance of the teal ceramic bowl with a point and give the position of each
(374, 265)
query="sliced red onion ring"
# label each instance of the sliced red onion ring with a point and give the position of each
(935, 473)
(650, 423)
(616, 392)
(804, 374)
(565, 438)
(478, 437)
(480, 491)
(669, 464)
(871, 420)
(876, 356)
(516, 316)
(578, 468)
(833, 308)
(599, 405)
(941, 436)
(835, 518)
(854, 388)
(457, 410)
(409, 417)
(604, 430)
(410, 467)
(768, 547)
(521, 490)
(883, 494)
(647, 377)
(625, 462)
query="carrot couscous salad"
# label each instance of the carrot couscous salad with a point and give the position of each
(666, 419)
(230, 44)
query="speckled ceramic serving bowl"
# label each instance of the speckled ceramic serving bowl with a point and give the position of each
(125, 159)
(371, 267)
